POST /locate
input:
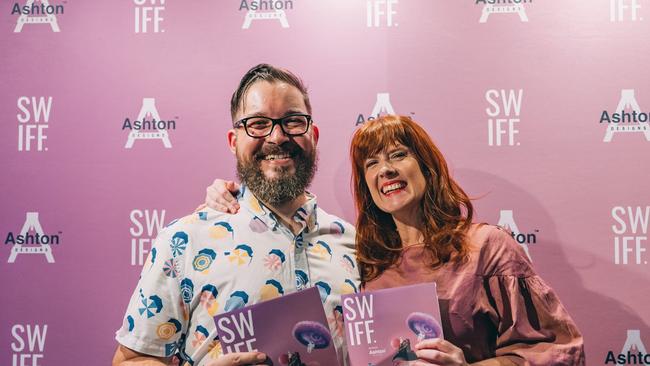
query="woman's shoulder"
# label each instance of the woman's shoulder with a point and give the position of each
(497, 253)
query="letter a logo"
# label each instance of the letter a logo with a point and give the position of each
(254, 15)
(40, 19)
(382, 105)
(503, 9)
(628, 100)
(31, 223)
(507, 220)
(148, 109)
(633, 341)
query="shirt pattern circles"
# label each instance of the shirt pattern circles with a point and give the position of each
(211, 262)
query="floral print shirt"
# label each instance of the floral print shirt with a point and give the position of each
(212, 262)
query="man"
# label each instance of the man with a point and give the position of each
(277, 243)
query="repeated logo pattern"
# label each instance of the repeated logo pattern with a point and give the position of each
(75, 70)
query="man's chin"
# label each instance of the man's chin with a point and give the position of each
(274, 175)
(273, 171)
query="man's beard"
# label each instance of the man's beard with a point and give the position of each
(284, 188)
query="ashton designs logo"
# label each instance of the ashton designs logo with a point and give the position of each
(257, 10)
(633, 352)
(34, 12)
(507, 220)
(148, 125)
(626, 118)
(491, 7)
(32, 239)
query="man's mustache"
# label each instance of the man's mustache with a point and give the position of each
(289, 148)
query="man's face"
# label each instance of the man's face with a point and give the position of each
(277, 168)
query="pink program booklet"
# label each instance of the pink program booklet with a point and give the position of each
(291, 330)
(383, 326)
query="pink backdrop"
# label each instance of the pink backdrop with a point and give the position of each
(448, 64)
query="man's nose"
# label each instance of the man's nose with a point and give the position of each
(277, 135)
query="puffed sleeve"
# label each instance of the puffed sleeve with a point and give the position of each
(533, 328)
(155, 321)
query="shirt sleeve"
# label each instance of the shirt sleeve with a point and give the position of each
(156, 318)
(533, 328)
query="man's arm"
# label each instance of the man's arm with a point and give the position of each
(125, 356)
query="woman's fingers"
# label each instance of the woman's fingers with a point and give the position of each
(440, 352)
(435, 343)
(219, 196)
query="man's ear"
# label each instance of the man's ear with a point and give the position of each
(316, 133)
(232, 140)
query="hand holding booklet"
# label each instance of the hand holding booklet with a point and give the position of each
(290, 330)
(382, 326)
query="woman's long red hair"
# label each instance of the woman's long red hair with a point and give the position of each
(447, 210)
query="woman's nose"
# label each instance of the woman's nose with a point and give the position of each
(387, 170)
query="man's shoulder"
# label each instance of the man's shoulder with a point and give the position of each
(203, 222)
(327, 219)
(199, 219)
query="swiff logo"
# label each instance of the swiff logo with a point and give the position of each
(32, 13)
(33, 122)
(624, 10)
(148, 16)
(631, 233)
(32, 239)
(148, 125)
(146, 224)
(28, 344)
(503, 113)
(381, 13)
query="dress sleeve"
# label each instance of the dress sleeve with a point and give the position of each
(533, 328)
(155, 321)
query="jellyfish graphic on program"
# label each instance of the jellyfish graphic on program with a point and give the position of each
(312, 334)
(424, 326)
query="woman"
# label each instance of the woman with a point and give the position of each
(414, 224)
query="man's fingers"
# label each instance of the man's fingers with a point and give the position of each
(246, 358)
(239, 358)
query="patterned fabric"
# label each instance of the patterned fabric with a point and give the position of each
(211, 262)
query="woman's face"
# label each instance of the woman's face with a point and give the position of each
(395, 180)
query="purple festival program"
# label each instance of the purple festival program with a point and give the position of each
(289, 329)
(382, 326)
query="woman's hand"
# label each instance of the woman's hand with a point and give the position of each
(437, 351)
(220, 195)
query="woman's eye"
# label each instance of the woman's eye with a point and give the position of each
(370, 163)
(398, 155)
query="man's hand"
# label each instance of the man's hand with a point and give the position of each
(438, 352)
(239, 358)
(220, 195)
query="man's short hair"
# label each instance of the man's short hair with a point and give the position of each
(268, 73)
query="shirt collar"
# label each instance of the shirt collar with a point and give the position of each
(305, 215)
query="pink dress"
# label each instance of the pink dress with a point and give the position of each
(494, 306)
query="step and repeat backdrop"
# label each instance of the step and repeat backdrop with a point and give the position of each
(113, 120)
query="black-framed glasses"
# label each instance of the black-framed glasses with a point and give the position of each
(291, 125)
